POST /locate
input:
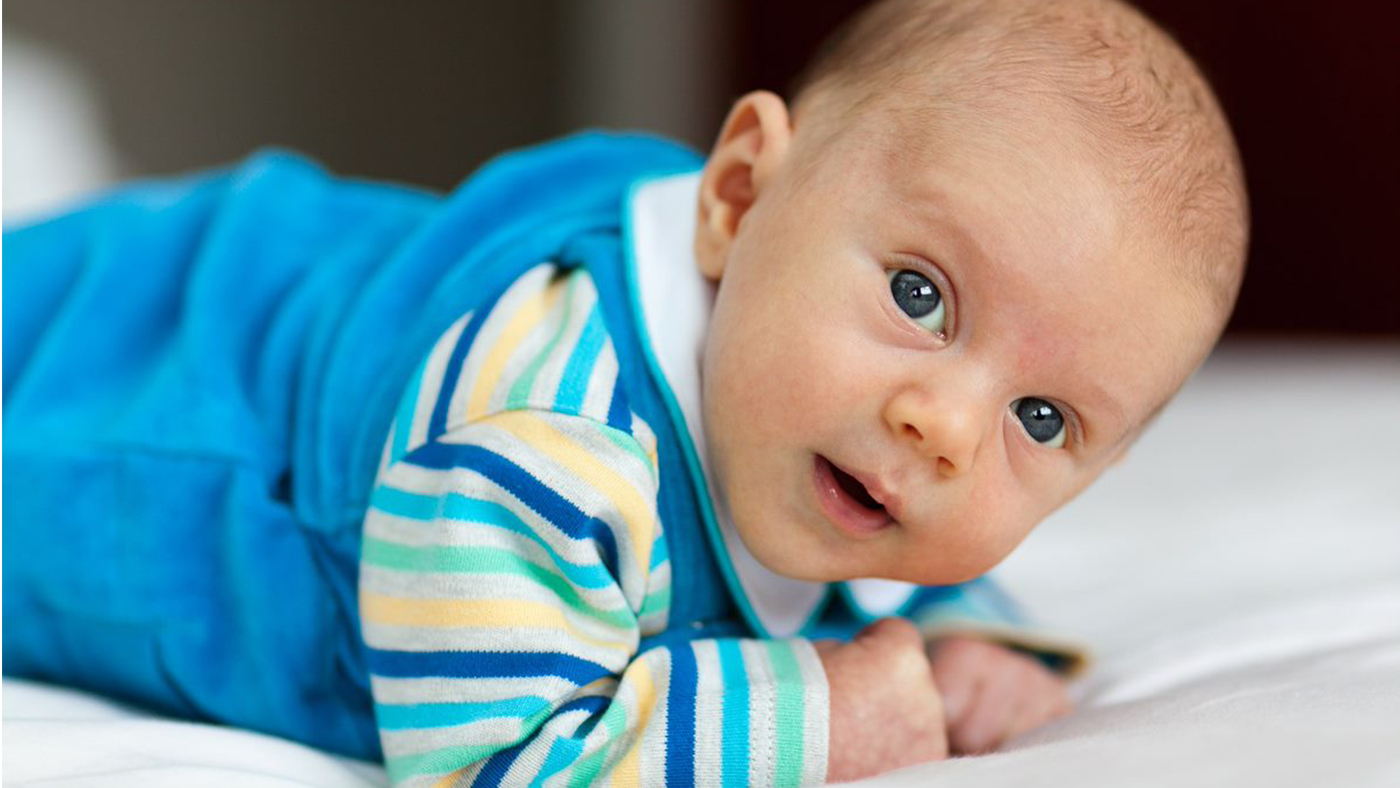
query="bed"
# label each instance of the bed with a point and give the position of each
(1238, 579)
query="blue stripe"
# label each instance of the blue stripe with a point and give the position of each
(574, 385)
(452, 506)
(734, 746)
(619, 414)
(535, 494)
(594, 705)
(659, 553)
(403, 420)
(495, 769)
(680, 716)
(589, 703)
(483, 665)
(437, 425)
(562, 754)
(442, 715)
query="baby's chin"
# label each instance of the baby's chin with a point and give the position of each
(790, 557)
(816, 564)
(785, 555)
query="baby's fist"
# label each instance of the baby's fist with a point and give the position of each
(885, 710)
(992, 693)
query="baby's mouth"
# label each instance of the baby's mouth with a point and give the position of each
(852, 487)
(846, 501)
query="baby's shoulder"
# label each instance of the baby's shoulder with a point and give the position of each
(542, 345)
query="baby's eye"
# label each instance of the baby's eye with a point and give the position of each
(918, 298)
(1042, 421)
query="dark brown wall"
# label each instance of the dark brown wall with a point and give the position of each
(1311, 90)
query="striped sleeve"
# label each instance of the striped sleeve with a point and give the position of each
(982, 608)
(513, 561)
(507, 570)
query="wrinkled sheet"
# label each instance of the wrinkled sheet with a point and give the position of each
(1238, 577)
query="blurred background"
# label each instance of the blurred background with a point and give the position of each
(423, 92)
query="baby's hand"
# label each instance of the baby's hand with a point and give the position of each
(991, 693)
(885, 709)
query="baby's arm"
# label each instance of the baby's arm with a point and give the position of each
(510, 568)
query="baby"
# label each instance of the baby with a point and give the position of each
(655, 473)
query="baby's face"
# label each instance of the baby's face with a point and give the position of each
(915, 357)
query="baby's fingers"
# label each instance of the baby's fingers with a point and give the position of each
(986, 720)
(1002, 710)
(1049, 704)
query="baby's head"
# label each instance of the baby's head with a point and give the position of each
(959, 272)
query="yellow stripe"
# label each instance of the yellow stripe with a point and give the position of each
(629, 771)
(526, 317)
(474, 614)
(636, 511)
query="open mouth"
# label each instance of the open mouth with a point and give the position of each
(846, 501)
(852, 487)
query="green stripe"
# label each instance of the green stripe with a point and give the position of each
(653, 603)
(519, 395)
(632, 446)
(530, 723)
(789, 717)
(450, 759)
(485, 560)
(615, 720)
(426, 508)
(442, 761)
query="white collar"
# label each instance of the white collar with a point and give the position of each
(675, 301)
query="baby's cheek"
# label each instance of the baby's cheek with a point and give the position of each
(990, 526)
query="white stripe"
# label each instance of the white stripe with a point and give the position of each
(816, 706)
(504, 731)
(709, 709)
(598, 395)
(439, 689)
(546, 386)
(652, 758)
(763, 754)
(527, 287)
(486, 587)
(431, 386)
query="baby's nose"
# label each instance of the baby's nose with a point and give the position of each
(947, 430)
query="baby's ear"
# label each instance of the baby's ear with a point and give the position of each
(751, 144)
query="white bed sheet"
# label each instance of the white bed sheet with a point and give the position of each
(1238, 576)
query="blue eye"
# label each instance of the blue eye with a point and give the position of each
(1042, 421)
(919, 298)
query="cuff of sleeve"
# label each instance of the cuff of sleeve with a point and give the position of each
(790, 709)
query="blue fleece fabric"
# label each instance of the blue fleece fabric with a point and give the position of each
(199, 375)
